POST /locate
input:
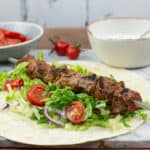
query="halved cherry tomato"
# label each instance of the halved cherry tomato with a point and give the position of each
(75, 112)
(35, 95)
(16, 83)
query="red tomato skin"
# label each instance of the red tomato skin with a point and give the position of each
(72, 52)
(35, 95)
(15, 35)
(12, 34)
(61, 47)
(75, 112)
(16, 83)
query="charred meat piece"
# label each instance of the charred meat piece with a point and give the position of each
(32, 67)
(56, 72)
(124, 101)
(77, 82)
(88, 84)
(106, 87)
(70, 79)
(43, 71)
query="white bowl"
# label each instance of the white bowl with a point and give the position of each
(31, 30)
(117, 41)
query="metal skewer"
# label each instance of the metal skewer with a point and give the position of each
(142, 105)
(12, 60)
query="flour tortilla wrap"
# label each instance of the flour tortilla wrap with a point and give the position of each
(23, 130)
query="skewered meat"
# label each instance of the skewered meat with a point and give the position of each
(106, 87)
(124, 100)
(120, 98)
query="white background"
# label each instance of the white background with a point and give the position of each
(70, 13)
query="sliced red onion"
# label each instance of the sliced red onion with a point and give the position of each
(4, 106)
(60, 113)
(58, 123)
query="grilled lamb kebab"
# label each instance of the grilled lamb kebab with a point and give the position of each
(120, 98)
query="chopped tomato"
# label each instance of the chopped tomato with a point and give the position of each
(2, 43)
(35, 95)
(28, 39)
(16, 83)
(75, 112)
(9, 41)
(2, 36)
(14, 35)
(8, 37)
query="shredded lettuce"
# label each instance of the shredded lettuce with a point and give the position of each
(75, 67)
(60, 98)
(20, 71)
(40, 56)
(3, 77)
(112, 78)
(78, 68)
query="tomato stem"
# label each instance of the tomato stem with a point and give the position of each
(52, 41)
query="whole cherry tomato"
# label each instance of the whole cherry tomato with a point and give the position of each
(75, 112)
(60, 47)
(72, 52)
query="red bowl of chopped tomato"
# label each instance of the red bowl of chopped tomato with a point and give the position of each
(18, 38)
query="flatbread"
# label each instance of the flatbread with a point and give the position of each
(23, 130)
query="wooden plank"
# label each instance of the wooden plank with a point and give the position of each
(10, 10)
(57, 13)
(72, 35)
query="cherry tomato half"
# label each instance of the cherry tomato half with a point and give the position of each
(35, 95)
(75, 112)
(72, 52)
(16, 83)
(61, 47)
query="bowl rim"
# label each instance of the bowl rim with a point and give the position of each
(117, 39)
(26, 42)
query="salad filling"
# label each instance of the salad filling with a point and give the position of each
(42, 96)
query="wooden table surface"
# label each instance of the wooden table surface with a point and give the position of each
(72, 35)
